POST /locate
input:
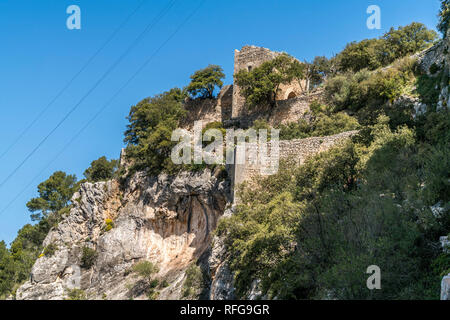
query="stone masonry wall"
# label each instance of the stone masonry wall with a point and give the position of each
(247, 58)
(208, 110)
(292, 110)
(250, 57)
(296, 150)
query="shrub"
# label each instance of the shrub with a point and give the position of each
(154, 283)
(434, 68)
(320, 125)
(372, 54)
(193, 282)
(428, 88)
(109, 224)
(101, 170)
(76, 294)
(152, 294)
(50, 250)
(444, 17)
(88, 257)
(441, 265)
(164, 284)
(370, 94)
(145, 269)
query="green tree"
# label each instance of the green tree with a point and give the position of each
(260, 85)
(54, 195)
(6, 270)
(361, 55)
(204, 81)
(408, 40)
(101, 170)
(372, 54)
(149, 132)
(444, 17)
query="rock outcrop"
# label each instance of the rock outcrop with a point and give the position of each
(165, 220)
(445, 288)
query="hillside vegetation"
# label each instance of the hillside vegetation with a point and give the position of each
(311, 232)
(308, 232)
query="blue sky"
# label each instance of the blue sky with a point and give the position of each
(39, 55)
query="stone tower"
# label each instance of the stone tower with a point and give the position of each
(250, 57)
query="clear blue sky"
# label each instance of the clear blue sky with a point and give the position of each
(39, 55)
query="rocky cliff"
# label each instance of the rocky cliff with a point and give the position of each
(165, 220)
(438, 58)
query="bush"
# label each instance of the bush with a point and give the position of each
(370, 94)
(193, 282)
(444, 17)
(441, 265)
(434, 68)
(50, 250)
(311, 232)
(428, 89)
(101, 170)
(88, 257)
(152, 294)
(372, 54)
(109, 225)
(322, 123)
(76, 294)
(436, 174)
(145, 269)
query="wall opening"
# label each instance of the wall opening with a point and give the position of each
(291, 95)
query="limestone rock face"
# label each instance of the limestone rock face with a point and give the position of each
(438, 56)
(222, 279)
(166, 220)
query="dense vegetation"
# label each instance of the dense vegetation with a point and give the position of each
(372, 54)
(260, 85)
(311, 232)
(47, 210)
(101, 169)
(444, 17)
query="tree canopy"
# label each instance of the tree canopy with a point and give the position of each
(54, 195)
(394, 44)
(444, 17)
(204, 82)
(48, 209)
(101, 170)
(260, 85)
(148, 134)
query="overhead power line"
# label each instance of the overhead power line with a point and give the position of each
(106, 105)
(99, 81)
(61, 92)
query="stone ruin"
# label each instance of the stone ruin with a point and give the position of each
(230, 109)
